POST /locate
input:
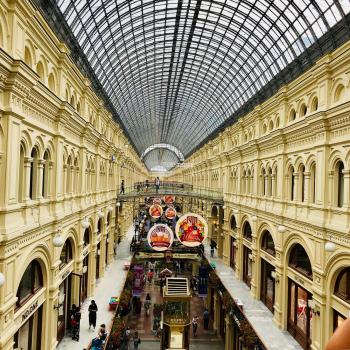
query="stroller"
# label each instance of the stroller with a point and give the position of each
(75, 325)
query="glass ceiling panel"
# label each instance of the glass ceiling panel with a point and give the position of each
(175, 71)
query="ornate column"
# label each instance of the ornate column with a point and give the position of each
(228, 333)
(296, 186)
(39, 187)
(307, 187)
(273, 185)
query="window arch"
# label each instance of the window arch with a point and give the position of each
(339, 183)
(52, 82)
(264, 128)
(291, 182)
(233, 223)
(303, 110)
(247, 230)
(314, 104)
(299, 260)
(302, 182)
(72, 101)
(271, 125)
(277, 124)
(21, 185)
(46, 179)
(267, 243)
(292, 115)
(342, 285)
(31, 282)
(339, 93)
(66, 253)
(313, 182)
(87, 234)
(40, 71)
(28, 57)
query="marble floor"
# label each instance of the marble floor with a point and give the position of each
(257, 313)
(110, 284)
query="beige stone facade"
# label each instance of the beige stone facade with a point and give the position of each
(284, 168)
(62, 158)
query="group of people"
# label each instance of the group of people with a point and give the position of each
(195, 322)
(146, 185)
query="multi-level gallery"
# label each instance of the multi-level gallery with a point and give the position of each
(174, 174)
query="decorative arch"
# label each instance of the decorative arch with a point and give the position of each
(292, 115)
(40, 70)
(339, 93)
(52, 82)
(314, 104)
(299, 260)
(247, 230)
(267, 242)
(214, 211)
(303, 110)
(233, 223)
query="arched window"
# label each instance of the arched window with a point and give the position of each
(33, 174)
(40, 71)
(313, 182)
(339, 93)
(46, 180)
(291, 183)
(302, 182)
(267, 243)
(263, 182)
(52, 83)
(269, 182)
(247, 230)
(277, 122)
(66, 254)
(31, 282)
(72, 101)
(274, 181)
(86, 237)
(21, 174)
(233, 224)
(78, 107)
(264, 128)
(303, 110)
(314, 104)
(69, 175)
(299, 260)
(271, 125)
(99, 226)
(28, 57)
(339, 182)
(342, 285)
(292, 115)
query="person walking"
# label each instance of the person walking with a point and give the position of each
(206, 319)
(122, 188)
(136, 339)
(146, 184)
(92, 314)
(195, 325)
(157, 183)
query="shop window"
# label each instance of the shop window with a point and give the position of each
(31, 282)
(267, 243)
(299, 260)
(66, 254)
(342, 285)
(339, 181)
(247, 230)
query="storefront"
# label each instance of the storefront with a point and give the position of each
(299, 322)
(29, 309)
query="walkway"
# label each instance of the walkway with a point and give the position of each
(257, 313)
(111, 283)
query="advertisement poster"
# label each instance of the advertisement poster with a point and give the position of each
(156, 211)
(170, 213)
(138, 281)
(169, 199)
(191, 230)
(160, 237)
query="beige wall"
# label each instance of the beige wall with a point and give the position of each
(263, 147)
(52, 122)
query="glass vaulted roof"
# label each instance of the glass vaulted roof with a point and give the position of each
(177, 70)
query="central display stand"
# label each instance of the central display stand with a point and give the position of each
(176, 314)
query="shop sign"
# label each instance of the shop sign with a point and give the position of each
(150, 255)
(185, 256)
(169, 199)
(30, 310)
(138, 280)
(156, 211)
(191, 230)
(170, 213)
(160, 237)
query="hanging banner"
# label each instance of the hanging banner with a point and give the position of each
(170, 213)
(160, 237)
(156, 211)
(157, 201)
(191, 230)
(203, 281)
(138, 281)
(169, 199)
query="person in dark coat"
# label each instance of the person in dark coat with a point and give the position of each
(92, 314)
